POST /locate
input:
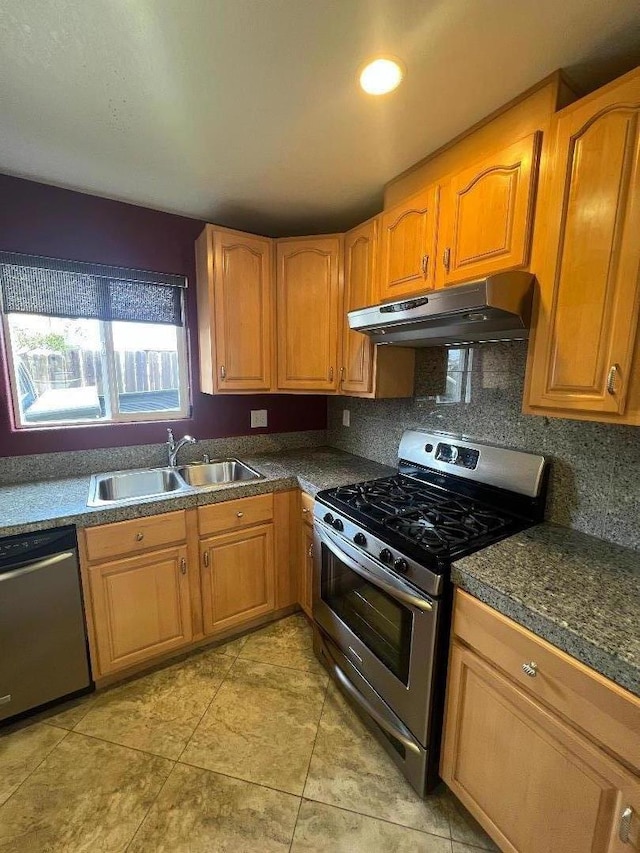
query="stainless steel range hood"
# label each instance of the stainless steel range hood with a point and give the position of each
(497, 308)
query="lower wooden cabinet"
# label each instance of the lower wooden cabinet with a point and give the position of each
(141, 607)
(305, 554)
(238, 582)
(536, 783)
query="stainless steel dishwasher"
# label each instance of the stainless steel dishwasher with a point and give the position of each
(43, 640)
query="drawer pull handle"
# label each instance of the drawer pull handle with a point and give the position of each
(446, 259)
(240, 514)
(624, 829)
(205, 559)
(530, 669)
(139, 536)
(305, 509)
(223, 372)
(183, 566)
(425, 265)
(310, 551)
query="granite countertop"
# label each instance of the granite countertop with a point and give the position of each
(580, 593)
(52, 503)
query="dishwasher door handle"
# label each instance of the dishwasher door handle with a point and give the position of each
(35, 567)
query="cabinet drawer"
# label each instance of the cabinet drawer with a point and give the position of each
(603, 710)
(306, 507)
(139, 534)
(233, 515)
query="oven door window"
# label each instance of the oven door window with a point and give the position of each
(382, 623)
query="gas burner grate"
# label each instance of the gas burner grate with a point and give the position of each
(425, 517)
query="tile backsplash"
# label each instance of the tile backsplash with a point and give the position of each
(595, 468)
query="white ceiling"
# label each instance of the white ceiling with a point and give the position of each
(248, 113)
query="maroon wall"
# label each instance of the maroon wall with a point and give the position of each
(44, 220)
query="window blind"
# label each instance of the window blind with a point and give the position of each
(57, 288)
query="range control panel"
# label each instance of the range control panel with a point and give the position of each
(453, 454)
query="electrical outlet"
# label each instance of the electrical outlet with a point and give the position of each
(258, 417)
(346, 417)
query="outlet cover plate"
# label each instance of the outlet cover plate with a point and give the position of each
(258, 418)
(346, 418)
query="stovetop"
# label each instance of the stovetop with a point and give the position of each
(429, 524)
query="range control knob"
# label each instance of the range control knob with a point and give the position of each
(328, 518)
(386, 556)
(401, 565)
(360, 539)
(338, 525)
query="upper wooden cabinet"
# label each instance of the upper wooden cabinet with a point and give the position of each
(309, 283)
(235, 311)
(581, 354)
(486, 215)
(407, 246)
(360, 247)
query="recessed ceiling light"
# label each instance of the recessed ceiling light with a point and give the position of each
(381, 75)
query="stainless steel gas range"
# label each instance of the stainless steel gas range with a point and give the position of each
(382, 593)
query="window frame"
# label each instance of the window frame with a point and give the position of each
(111, 398)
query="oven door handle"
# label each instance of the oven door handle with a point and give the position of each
(396, 590)
(401, 734)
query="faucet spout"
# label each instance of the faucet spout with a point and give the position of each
(174, 446)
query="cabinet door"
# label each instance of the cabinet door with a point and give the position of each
(238, 580)
(581, 354)
(243, 306)
(486, 215)
(308, 310)
(306, 569)
(535, 784)
(140, 607)
(360, 247)
(407, 246)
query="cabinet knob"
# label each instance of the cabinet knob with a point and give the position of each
(139, 536)
(446, 259)
(240, 514)
(624, 828)
(305, 509)
(223, 372)
(530, 669)
(611, 379)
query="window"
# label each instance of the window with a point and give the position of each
(92, 344)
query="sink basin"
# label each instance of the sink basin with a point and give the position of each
(222, 471)
(123, 486)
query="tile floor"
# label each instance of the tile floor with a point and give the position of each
(246, 747)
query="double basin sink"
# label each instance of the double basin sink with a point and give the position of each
(124, 486)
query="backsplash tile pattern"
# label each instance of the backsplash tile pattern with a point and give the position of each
(48, 466)
(595, 481)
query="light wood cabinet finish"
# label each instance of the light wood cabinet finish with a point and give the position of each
(235, 310)
(607, 713)
(234, 515)
(305, 553)
(486, 215)
(125, 538)
(581, 355)
(533, 782)
(360, 248)
(309, 304)
(141, 607)
(238, 580)
(407, 246)
(368, 370)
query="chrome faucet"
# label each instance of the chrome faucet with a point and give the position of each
(174, 446)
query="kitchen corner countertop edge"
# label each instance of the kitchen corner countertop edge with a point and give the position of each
(580, 593)
(26, 507)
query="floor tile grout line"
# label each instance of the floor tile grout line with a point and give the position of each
(151, 805)
(279, 665)
(237, 778)
(204, 713)
(306, 777)
(39, 764)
